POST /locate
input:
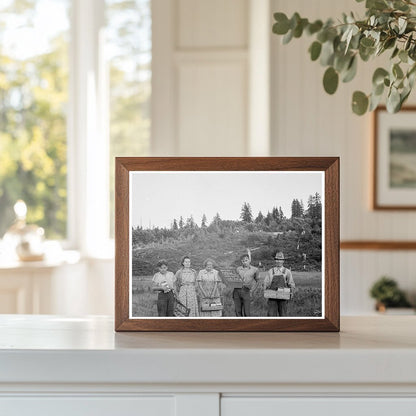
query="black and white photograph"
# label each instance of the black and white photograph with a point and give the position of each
(226, 244)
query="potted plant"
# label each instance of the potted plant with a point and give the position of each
(389, 27)
(387, 294)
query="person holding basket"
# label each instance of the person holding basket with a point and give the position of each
(164, 283)
(278, 287)
(210, 286)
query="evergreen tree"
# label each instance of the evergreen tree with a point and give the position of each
(190, 223)
(260, 218)
(217, 219)
(181, 223)
(204, 221)
(174, 225)
(281, 215)
(296, 209)
(246, 215)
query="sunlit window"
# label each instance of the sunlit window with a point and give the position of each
(33, 102)
(129, 56)
(43, 125)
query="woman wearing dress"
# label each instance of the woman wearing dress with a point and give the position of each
(185, 283)
(209, 287)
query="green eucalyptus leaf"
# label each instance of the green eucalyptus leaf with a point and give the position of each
(314, 27)
(367, 42)
(327, 54)
(393, 101)
(402, 22)
(403, 56)
(389, 43)
(330, 80)
(351, 70)
(397, 71)
(288, 37)
(378, 89)
(315, 50)
(359, 103)
(379, 75)
(376, 4)
(395, 52)
(366, 53)
(408, 42)
(281, 26)
(374, 102)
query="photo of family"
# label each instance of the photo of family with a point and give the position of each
(226, 244)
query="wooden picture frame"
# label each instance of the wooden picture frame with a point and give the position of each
(394, 158)
(141, 179)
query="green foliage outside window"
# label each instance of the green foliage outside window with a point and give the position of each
(33, 99)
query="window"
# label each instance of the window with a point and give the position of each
(33, 97)
(75, 87)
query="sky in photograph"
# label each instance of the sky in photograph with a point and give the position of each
(157, 198)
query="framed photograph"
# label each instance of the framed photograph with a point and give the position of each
(395, 159)
(227, 244)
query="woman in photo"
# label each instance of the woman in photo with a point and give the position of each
(210, 287)
(186, 286)
(164, 283)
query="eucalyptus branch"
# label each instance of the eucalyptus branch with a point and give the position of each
(388, 26)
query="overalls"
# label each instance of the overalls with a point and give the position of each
(277, 307)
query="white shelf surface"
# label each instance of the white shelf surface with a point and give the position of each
(53, 349)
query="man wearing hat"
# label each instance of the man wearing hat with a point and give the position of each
(249, 276)
(278, 277)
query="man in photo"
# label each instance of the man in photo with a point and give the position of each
(249, 276)
(278, 277)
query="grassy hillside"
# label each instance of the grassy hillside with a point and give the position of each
(226, 249)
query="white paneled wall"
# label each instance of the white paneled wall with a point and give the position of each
(204, 71)
(308, 122)
(223, 86)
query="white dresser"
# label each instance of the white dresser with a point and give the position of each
(80, 366)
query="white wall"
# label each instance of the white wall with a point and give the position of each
(308, 122)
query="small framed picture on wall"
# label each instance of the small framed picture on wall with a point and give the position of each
(394, 159)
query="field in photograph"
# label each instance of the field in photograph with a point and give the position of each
(306, 302)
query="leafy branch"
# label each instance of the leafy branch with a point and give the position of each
(388, 27)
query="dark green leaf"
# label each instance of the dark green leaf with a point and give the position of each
(281, 26)
(374, 101)
(327, 54)
(288, 37)
(376, 4)
(408, 42)
(389, 43)
(315, 50)
(314, 27)
(395, 52)
(367, 42)
(379, 89)
(379, 75)
(359, 103)
(351, 71)
(403, 56)
(397, 71)
(393, 101)
(330, 80)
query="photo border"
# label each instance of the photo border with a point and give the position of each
(328, 165)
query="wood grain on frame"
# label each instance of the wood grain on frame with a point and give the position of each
(378, 245)
(376, 205)
(328, 165)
